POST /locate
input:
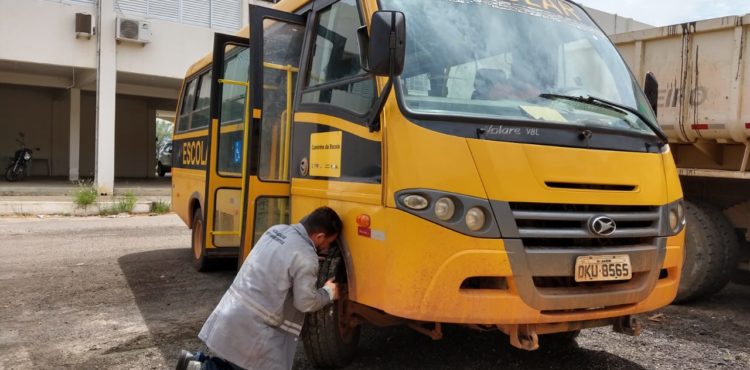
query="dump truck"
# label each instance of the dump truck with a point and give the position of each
(703, 105)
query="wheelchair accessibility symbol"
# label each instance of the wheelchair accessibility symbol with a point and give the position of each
(237, 151)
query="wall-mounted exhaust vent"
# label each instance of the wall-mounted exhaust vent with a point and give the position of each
(133, 30)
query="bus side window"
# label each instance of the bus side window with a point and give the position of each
(202, 104)
(337, 59)
(188, 98)
(233, 96)
(195, 103)
(232, 113)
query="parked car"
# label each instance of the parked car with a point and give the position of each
(164, 159)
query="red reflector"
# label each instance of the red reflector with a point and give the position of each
(747, 126)
(363, 221)
(701, 126)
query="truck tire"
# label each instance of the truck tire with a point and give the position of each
(711, 252)
(200, 261)
(327, 342)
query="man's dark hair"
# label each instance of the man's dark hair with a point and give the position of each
(323, 220)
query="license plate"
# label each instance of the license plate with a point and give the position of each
(603, 268)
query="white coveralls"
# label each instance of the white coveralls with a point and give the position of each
(259, 318)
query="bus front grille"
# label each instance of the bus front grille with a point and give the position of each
(545, 240)
(563, 225)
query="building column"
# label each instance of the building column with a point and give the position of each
(75, 134)
(151, 135)
(106, 84)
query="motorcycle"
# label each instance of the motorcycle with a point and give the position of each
(19, 164)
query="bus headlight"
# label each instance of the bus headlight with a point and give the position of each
(673, 220)
(445, 209)
(475, 219)
(462, 213)
(416, 202)
(676, 217)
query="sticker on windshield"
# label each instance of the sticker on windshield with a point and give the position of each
(557, 10)
(543, 113)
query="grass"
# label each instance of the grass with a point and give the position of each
(123, 205)
(160, 207)
(85, 195)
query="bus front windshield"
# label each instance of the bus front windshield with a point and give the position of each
(505, 59)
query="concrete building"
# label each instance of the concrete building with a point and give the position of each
(613, 23)
(87, 96)
(89, 100)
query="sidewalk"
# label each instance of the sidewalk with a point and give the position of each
(34, 197)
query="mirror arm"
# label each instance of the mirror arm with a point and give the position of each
(373, 123)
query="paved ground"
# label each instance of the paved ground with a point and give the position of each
(118, 293)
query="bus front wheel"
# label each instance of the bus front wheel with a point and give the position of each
(200, 262)
(328, 341)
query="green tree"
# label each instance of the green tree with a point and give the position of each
(164, 131)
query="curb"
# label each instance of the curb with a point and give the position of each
(33, 208)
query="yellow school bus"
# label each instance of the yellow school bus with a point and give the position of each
(495, 164)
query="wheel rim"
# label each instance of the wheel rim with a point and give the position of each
(197, 234)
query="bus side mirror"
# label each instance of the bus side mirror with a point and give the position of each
(383, 52)
(651, 88)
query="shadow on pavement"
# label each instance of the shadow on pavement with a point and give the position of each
(174, 301)
(173, 298)
(463, 348)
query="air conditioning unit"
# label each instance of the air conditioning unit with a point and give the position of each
(133, 30)
(84, 25)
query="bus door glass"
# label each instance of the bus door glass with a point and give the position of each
(276, 39)
(229, 135)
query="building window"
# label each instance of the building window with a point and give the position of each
(221, 14)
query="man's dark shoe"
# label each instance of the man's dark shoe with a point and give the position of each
(184, 360)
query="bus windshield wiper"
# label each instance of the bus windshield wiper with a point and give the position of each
(603, 103)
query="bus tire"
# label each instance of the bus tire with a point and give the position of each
(200, 261)
(327, 343)
(711, 252)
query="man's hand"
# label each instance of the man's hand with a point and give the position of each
(332, 288)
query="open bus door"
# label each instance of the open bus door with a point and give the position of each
(276, 49)
(228, 137)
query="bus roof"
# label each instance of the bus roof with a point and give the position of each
(284, 5)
